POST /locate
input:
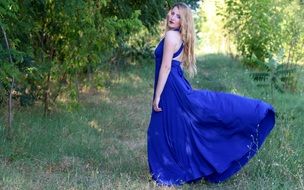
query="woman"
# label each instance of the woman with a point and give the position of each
(195, 134)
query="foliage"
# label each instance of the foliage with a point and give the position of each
(255, 25)
(59, 38)
(8, 10)
(151, 11)
(266, 29)
(293, 32)
(276, 76)
(58, 42)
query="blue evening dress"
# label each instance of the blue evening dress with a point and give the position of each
(202, 134)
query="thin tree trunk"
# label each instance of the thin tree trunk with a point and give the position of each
(60, 84)
(301, 55)
(46, 95)
(10, 110)
(288, 56)
(89, 73)
(77, 87)
(10, 102)
(289, 53)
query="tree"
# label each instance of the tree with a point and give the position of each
(255, 26)
(58, 41)
(266, 29)
(8, 69)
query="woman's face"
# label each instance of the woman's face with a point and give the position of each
(173, 19)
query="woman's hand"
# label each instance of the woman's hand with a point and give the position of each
(155, 104)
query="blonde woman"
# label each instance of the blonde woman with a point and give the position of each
(195, 134)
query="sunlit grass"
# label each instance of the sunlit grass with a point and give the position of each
(101, 144)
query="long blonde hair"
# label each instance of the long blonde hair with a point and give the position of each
(188, 37)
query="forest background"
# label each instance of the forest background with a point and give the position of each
(76, 79)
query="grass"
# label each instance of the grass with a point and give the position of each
(101, 143)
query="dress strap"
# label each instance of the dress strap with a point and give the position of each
(178, 51)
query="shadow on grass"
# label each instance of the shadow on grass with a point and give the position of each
(105, 134)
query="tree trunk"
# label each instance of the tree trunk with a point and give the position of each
(77, 87)
(61, 82)
(289, 52)
(299, 57)
(46, 95)
(89, 73)
(10, 102)
(10, 110)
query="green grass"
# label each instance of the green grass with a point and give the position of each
(101, 144)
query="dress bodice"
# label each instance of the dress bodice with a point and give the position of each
(158, 53)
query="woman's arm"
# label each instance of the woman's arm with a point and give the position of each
(169, 46)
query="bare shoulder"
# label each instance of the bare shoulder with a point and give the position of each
(172, 37)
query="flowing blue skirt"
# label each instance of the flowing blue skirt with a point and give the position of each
(203, 134)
